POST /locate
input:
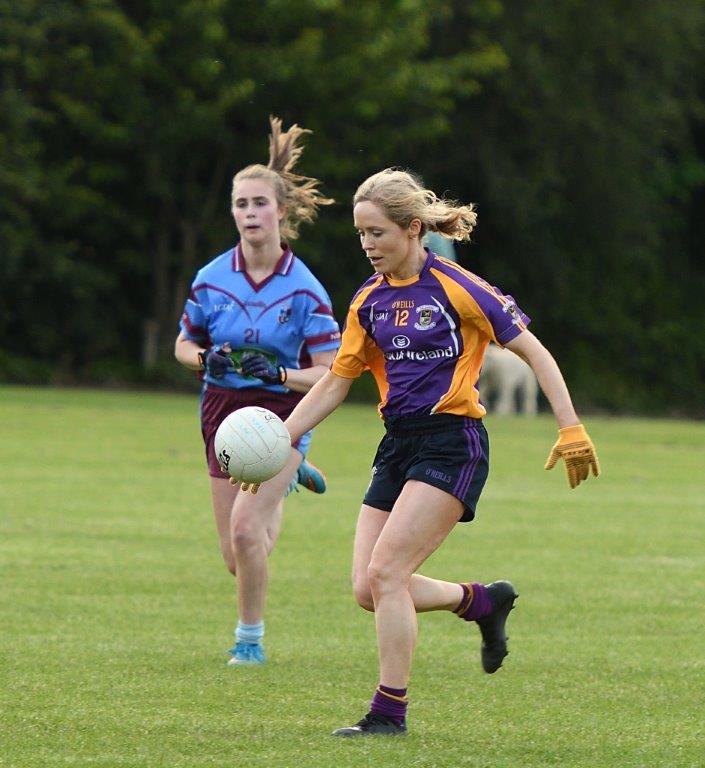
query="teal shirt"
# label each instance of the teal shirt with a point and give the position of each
(440, 245)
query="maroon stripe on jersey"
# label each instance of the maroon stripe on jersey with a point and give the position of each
(237, 258)
(322, 338)
(321, 309)
(218, 288)
(193, 330)
(282, 267)
(288, 262)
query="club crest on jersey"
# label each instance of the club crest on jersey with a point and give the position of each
(425, 321)
(511, 309)
(284, 315)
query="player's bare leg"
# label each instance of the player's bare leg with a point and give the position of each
(407, 538)
(388, 547)
(427, 594)
(256, 522)
(410, 536)
(223, 496)
(488, 606)
(248, 529)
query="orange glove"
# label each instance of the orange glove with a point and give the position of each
(251, 487)
(576, 449)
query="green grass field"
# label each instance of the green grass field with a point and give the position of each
(116, 611)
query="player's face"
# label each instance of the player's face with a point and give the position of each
(392, 250)
(256, 212)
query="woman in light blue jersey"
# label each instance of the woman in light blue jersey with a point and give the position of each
(260, 328)
(421, 325)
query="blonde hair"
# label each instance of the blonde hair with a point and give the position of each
(298, 195)
(402, 198)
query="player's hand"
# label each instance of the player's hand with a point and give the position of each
(576, 449)
(217, 361)
(257, 365)
(251, 487)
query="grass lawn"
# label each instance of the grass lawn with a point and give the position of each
(116, 611)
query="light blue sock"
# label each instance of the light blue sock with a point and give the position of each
(249, 633)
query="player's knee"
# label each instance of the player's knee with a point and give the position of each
(228, 556)
(383, 578)
(245, 537)
(363, 593)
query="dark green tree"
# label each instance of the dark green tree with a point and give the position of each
(132, 117)
(581, 158)
(578, 130)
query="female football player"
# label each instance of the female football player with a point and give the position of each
(260, 328)
(421, 325)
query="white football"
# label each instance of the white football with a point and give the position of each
(252, 444)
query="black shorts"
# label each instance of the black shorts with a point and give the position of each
(446, 451)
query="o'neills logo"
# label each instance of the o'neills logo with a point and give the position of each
(419, 354)
(224, 460)
(437, 474)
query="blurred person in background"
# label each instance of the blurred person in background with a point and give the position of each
(421, 325)
(440, 245)
(260, 328)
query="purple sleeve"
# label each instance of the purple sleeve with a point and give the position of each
(481, 303)
(506, 318)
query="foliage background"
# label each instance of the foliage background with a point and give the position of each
(578, 128)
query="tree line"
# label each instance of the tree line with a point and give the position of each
(577, 128)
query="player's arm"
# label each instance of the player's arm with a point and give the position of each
(574, 445)
(532, 351)
(302, 379)
(187, 352)
(322, 399)
(215, 360)
(259, 366)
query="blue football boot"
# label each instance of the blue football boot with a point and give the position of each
(311, 477)
(247, 653)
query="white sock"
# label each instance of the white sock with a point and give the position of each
(249, 633)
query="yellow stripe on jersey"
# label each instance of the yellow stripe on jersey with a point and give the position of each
(358, 352)
(351, 359)
(502, 300)
(462, 398)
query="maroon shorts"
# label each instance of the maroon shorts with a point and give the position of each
(219, 402)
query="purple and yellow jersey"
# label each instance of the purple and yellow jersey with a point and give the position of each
(288, 316)
(424, 338)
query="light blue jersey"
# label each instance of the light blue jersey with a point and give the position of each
(288, 316)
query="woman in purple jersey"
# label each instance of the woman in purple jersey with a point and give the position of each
(421, 324)
(258, 304)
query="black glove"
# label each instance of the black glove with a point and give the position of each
(256, 364)
(217, 361)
